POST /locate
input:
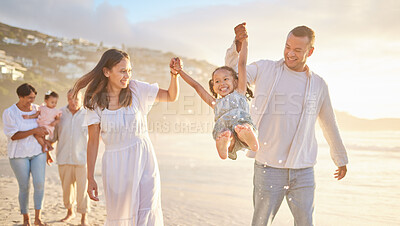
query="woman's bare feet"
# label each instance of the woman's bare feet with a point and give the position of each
(37, 218)
(27, 222)
(223, 142)
(247, 135)
(39, 222)
(84, 220)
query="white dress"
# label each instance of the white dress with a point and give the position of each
(130, 171)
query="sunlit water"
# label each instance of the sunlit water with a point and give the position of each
(200, 189)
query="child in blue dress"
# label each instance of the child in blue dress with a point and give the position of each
(234, 129)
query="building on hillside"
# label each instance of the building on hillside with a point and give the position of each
(27, 62)
(65, 56)
(10, 69)
(68, 48)
(89, 48)
(11, 41)
(71, 70)
(31, 40)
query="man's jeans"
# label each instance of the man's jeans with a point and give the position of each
(22, 168)
(271, 185)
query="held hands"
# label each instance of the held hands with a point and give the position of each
(25, 116)
(175, 65)
(178, 64)
(92, 187)
(340, 172)
(240, 35)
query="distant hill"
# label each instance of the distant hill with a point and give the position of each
(57, 62)
(352, 123)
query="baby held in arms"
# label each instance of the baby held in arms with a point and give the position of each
(47, 116)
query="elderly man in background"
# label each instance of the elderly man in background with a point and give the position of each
(71, 157)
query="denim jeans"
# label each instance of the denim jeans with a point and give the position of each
(22, 168)
(271, 185)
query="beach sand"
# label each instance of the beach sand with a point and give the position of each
(200, 189)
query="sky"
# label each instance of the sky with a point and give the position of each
(357, 47)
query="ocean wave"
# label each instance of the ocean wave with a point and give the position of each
(369, 147)
(373, 148)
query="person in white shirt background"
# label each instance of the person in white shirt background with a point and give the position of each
(72, 137)
(289, 98)
(24, 151)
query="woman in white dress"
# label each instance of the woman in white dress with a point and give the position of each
(117, 109)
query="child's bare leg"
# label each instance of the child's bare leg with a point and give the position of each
(223, 142)
(49, 158)
(41, 141)
(230, 148)
(247, 135)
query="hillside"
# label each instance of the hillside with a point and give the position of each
(349, 122)
(55, 63)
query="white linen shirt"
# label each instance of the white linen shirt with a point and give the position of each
(72, 136)
(302, 152)
(13, 122)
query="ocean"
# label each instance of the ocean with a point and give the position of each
(199, 189)
(208, 191)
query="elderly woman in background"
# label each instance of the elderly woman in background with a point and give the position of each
(25, 153)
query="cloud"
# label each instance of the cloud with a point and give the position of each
(74, 18)
(340, 26)
(206, 32)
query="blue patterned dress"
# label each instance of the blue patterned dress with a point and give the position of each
(230, 111)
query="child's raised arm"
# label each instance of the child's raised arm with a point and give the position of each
(210, 100)
(242, 83)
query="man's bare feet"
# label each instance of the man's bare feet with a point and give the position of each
(70, 216)
(247, 135)
(223, 142)
(84, 220)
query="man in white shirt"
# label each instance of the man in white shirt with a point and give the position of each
(289, 98)
(71, 157)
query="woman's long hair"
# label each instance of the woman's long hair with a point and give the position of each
(96, 94)
(249, 93)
